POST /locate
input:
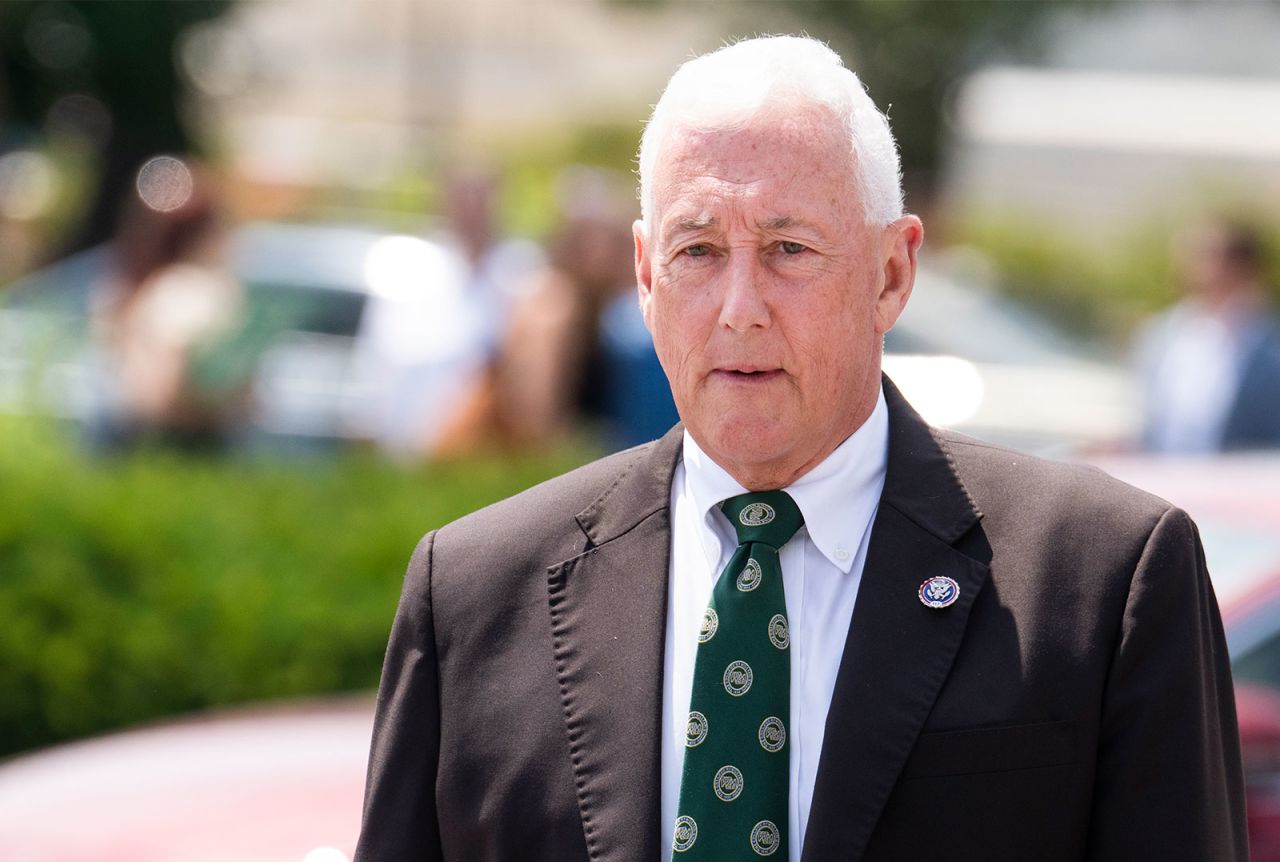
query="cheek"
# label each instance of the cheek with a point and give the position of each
(838, 345)
(677, 350)
(680, 317)
(686, 283)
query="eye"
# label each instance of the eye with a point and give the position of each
(698, 250)
(792, 247)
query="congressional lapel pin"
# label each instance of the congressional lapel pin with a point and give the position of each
(939, 592)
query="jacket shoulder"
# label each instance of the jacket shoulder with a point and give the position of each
(542, 520)
(1008, 484)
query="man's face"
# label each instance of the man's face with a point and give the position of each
(767, 293)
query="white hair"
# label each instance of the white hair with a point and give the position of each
(725, 88)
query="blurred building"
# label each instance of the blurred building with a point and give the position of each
(1148, 105)
(354, 94)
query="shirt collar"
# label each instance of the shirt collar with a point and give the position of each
(838, 497)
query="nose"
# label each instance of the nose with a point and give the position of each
(743, 303)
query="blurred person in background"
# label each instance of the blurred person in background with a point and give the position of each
(497, 267)
(549, 371)
(165, 304)
(576, 351)
(427, 342)
(1210, 365)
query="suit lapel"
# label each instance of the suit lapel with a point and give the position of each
(608, 618)
(898, 652)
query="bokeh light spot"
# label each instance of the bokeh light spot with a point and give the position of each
(401, 267)
(325, 854)
(28, 185)
(219, 59)
(57, 40)
(165, 183)
(80, 117)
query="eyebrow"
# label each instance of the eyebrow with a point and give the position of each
(784, 222)
(692, 224)
(777, 223)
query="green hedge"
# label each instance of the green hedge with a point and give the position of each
(152, 584)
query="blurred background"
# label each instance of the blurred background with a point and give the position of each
(286, 283)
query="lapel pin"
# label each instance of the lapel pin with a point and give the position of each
(939, 592)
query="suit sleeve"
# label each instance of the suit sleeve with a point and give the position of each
(1169, 782)
(400, 820)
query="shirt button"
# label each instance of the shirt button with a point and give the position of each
(842, 554)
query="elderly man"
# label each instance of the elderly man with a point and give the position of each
(803, 625)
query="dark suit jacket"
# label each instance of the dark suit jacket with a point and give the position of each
(1074, 703)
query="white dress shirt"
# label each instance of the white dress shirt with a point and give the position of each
(821, 569)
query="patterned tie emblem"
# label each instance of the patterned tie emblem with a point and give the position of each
(735, 780)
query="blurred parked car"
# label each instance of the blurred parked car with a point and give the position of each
(268, 784)
(965, 357)
(306, 289)
(1235, 501)
(970, 359)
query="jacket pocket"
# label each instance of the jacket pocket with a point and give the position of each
(993, 749)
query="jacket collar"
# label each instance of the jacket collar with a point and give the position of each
(640, 492)
(921, 480)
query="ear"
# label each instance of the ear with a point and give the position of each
(644, 271)
(898, 246)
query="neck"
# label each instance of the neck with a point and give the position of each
(757, 478)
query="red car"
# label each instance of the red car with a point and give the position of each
(268, 784)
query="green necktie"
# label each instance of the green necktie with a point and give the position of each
(734, 785)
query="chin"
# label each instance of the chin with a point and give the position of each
(748, 444)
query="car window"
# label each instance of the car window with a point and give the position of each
(304, 308)
(946, 317)
(271, 312)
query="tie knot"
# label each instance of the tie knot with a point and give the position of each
(771, 517)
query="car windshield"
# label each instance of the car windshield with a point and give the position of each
(945, 317)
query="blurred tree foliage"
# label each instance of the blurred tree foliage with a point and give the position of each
(1096, 288)
(153, 584)
(537, 161)
(115, 60)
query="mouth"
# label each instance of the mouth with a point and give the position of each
(747, 374)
